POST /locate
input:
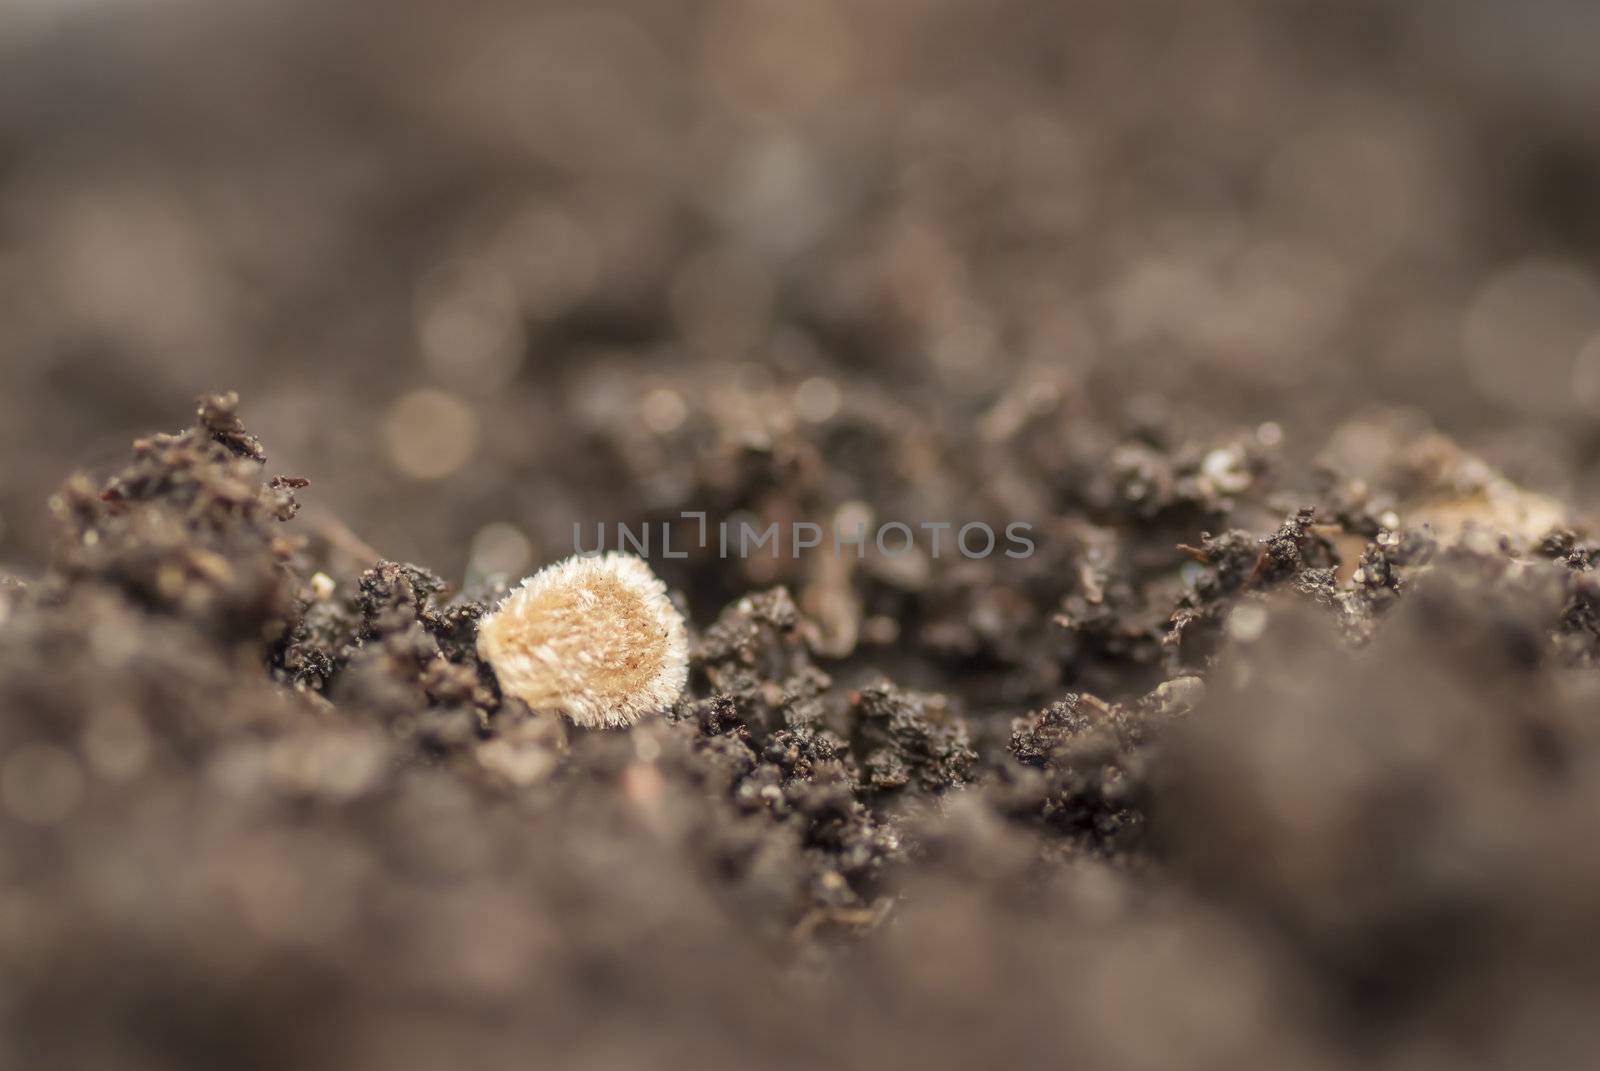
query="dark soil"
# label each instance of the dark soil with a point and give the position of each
(1281, 750)
(254, 821)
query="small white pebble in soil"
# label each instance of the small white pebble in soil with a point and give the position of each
(595, 638)
(1247, 623)
(1225, 470)
(1180, 693)
(322, 586)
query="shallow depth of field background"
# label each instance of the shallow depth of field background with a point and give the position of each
(461, 257)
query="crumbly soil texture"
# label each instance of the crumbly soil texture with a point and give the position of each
(1247, 766)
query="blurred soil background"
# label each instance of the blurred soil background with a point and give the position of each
(451, 252)
(1278, 321)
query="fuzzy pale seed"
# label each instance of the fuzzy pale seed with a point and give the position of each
(595, 638)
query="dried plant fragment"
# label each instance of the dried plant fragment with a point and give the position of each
(595, 638)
